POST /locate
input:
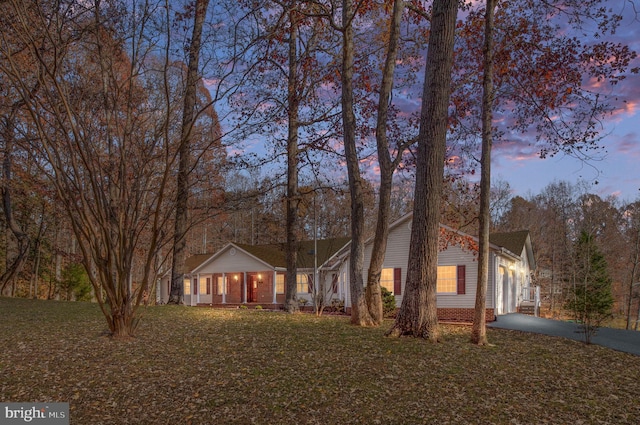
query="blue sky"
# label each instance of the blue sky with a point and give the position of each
(617, 168)
(614, 171)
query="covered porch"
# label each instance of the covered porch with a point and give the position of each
(235, 288)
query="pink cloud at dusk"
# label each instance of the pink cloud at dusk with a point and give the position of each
(629, 144)
(614, 170)
(613, 173)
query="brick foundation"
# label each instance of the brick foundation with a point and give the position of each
(462, 314)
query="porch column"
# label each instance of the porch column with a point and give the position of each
(224, 288)
(192, 298)
(275, 287)
(198, 288)
(496, 269)
(244, 286)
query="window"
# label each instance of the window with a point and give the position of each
(302, 283)
(451, 280)
(208, 286)
(392, 280)
(219, 285)
(447, 279)
(279, 283)
(386, 279)
(187, 287)
(203, 286)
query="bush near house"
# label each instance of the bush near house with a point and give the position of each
(388, 303)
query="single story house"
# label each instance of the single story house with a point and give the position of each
(247, 274)
(510, 264)
(255, 274)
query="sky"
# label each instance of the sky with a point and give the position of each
(616, 170)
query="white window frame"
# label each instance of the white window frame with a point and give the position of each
(302, 283)
(187, 286)
(280, 279)
(387, 278)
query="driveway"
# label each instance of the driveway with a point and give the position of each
(616, 339)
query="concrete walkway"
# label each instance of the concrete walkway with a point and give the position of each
(616, 339)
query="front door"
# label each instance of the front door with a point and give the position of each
(252, 289)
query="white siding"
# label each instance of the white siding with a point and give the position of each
(491, 283)
(397, 256)
(227, 263)
(456, 256)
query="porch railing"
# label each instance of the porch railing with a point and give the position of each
(530, 296)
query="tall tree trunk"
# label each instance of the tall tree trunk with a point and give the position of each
(387, 168)
(359, 312)
(38, 252)
(23, 241)
(479, 329)
(632, 278)
(635, 326)
(418, 315)
(184, 167)
(293, 197)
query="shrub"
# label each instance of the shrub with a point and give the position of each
(337, 305)
(75, 283)
(388, 302)
(258, 307)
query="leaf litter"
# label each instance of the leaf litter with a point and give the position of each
(204, 366)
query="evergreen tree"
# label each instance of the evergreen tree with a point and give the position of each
(591, 299)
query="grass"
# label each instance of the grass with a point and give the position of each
(202, 366)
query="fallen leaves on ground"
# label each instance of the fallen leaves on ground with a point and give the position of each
(203, 366)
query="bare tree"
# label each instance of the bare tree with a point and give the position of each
(99, 139)
(387, 168)
(418, 313)
(185, 155)
(359, 311)
(23, 240)
(479, 329)
(631, 234)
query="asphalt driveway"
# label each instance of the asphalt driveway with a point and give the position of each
(616, 339)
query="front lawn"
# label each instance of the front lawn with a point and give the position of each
(201, 366)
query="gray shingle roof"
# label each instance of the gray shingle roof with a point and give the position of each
(275, 254)
(513, 241)
(194, 261)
